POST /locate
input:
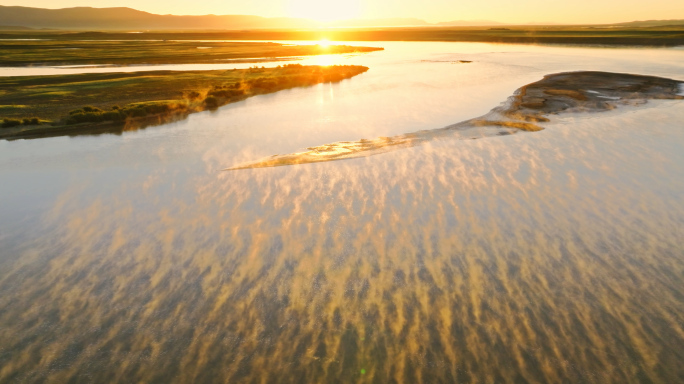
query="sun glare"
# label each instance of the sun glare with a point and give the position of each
(325, 60)
(325, 43)
(324, 11)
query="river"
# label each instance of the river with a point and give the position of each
(551, 256)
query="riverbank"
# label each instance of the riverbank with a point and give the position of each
(60, 50)
(46, 106)
(666, 36)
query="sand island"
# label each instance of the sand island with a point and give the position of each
(531, 105)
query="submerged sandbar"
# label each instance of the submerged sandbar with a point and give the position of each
(530, 106)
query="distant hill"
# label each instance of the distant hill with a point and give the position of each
(16, 18)
(651, 23)
(131, 19)
(468, 23)
(14, 28)
(392, 22)
(127, 19)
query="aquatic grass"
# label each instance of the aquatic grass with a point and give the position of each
(132, 98)
(89, 114)
(23, 53)
(10, 107)
(176, 47)
(9, 123)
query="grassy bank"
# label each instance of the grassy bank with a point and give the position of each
(613, 35)
(59, 50)
(39, 106)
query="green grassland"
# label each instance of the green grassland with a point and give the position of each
(672, 35)
(663, 36)
(62, 51)
(39, 106)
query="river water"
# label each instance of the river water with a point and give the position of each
(552, 256)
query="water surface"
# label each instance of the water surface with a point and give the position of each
(553, 256)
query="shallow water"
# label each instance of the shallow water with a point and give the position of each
(553, 256)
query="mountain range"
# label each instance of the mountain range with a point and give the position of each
(83, 18)
(651, 23)
(127, 19)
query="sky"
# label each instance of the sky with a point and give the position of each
(507, 11)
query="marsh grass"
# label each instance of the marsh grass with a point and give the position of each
(68, 100)
(556, 34)
(57, 51)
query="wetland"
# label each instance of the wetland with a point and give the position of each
(44, 106)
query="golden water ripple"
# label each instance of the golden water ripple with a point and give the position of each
(546, 258)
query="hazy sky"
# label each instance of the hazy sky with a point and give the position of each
(520, 11)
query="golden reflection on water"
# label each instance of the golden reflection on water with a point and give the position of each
(553, 257)
(326, 60)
